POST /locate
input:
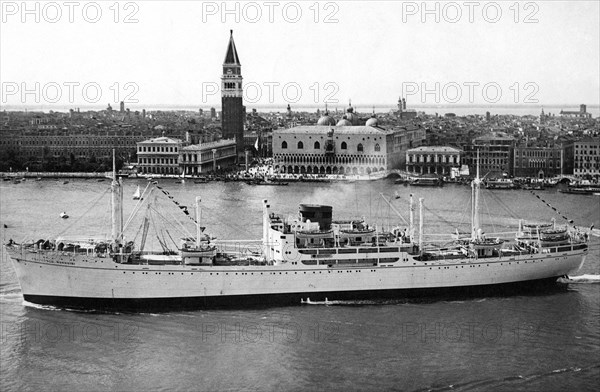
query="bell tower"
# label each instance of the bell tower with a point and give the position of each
(232, 108)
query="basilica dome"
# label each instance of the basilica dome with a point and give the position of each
(326, 119)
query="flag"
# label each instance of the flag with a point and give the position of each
(256, 144)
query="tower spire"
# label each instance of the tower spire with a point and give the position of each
(231, 57)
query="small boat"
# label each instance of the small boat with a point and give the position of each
(307, 301)
(65, 182)
(555, 236)
(425, 181)
(64, 215)
(270, 182)
(581, 190)
(501, 183)
(137, 194)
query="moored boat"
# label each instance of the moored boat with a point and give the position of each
(581, 190)
(501, 183)
(426, 181)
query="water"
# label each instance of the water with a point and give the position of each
(546, 341)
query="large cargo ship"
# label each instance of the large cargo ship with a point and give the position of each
(311, 256)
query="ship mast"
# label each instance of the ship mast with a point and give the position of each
(475, 186)
(411, 227)
(116, 206)
(198, 228)
(421, 225)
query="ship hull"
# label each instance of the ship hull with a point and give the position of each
(90, 282)
(539, 286)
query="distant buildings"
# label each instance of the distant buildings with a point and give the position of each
(403, 113)
(581, 113)
(233, 111)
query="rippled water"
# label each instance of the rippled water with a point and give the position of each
(546, 341)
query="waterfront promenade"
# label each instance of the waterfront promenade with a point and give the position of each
(27, 174)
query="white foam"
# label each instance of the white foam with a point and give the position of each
(586, 278)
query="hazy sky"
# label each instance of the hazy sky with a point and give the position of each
(543, 52)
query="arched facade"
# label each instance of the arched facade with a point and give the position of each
(343, 150)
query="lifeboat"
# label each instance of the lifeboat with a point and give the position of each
(551, 237)
(314, 233)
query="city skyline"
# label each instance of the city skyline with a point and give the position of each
(371, 54)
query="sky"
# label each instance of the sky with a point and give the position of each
(305, 53)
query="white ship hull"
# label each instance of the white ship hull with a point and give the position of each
(81, 281)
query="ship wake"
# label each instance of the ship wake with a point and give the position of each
(510, 381)
(586, 278)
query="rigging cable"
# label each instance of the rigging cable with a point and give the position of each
(94, 203)
(553, 208)
(489, 214)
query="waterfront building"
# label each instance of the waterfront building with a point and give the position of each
(38, 146)
(232, 108)
(539, 161)
(333, 150)
(495, 154)
(587, 157)
(159, 156)
(438, 160)
(208, 157)
(343, 148)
